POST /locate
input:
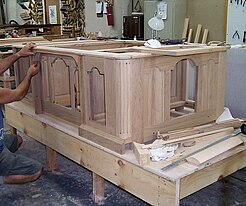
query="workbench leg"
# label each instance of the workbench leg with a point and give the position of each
(51, 159)
(98, 188)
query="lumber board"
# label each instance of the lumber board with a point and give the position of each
(185, 138)
(189, 36)
(205, 36)
(214, 150)
(198, 32)
(179, 123)
(200, 143)
(185, 28)
(235, 123)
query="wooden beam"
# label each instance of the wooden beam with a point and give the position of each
(51, 159)
(189, 36)
(205, 36)
(98, 188)
(185, 28)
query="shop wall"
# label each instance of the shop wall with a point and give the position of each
(211, 14)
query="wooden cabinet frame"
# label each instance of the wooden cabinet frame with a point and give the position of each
(127, 92)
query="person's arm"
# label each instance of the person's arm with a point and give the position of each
(10, 60)
(8, 95)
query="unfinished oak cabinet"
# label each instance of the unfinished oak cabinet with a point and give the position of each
(117, 92)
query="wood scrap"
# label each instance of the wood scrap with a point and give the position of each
(198, 32)
(236, 123)
(205, 147)
(189, 36)
(185, 138)
(185, 29)
(142, 155)
(205, 36)
(213, 151)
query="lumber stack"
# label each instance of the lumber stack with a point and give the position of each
(188, 32)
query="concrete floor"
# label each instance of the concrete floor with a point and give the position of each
(71, 185)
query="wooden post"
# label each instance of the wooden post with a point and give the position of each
(98, 188)
(51, 159)
(185, 29)
(189, 36)
(198, 32)
(205, 36)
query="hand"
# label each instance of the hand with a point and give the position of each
(27, 50)
(34, 69)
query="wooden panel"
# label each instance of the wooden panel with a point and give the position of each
(94, 88)
(137, 97)
(124, 98)
(60, 91)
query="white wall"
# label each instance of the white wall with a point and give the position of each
(94, 24)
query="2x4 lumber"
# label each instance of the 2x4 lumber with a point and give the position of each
(98, 188)
(51, 159)
(198, 32)
(185, 28)
(109, 165)
(205, 36)
(189, 36)
(213, 151)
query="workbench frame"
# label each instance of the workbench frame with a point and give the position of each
(119, 169)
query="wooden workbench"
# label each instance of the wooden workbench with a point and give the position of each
(93, 99)
(148, 183)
